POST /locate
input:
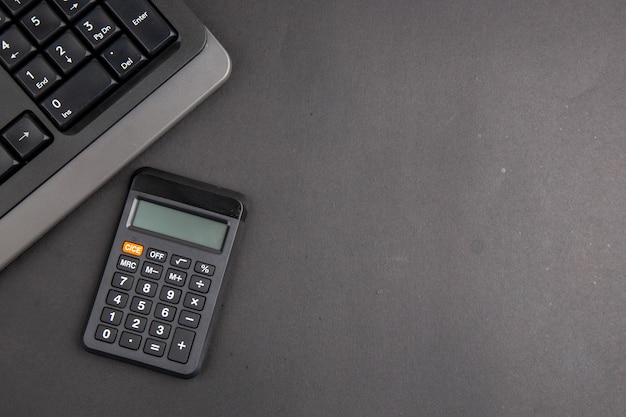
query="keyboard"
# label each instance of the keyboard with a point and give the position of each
(85, 86)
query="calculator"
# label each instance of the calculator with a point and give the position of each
(165, 275)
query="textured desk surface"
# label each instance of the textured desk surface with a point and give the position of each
(437, 197)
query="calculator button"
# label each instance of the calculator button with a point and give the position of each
(130, 340)
(122, 281)
(140, 305)
(154, 347)
(189, 319)
(106, 333)
(117, 299)
(160, 330)
(146, 288)
(199, 284)
(181, 345)
(97, 27)
(128, 264)
(71, 8)
(180, 262)
(135, 323)
(123, 57)
(111, 316)
(165, 312)
(170, 295)
(151, 270)
(26, 136)
(131, 248)
(176, 277)
(156, 255)
(14, 48)
(194, 302)
(204, 268)
(144, 22)
(42, 23)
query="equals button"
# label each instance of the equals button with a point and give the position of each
(123, 57)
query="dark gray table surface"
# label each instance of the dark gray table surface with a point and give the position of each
(437, 208)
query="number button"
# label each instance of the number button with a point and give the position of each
(106, 334)
(160, 330)
(42, 23)
(111, 316)
(122, 281)
(67, 52)
(117, 299)
(146, 288)
(4, 19)
(16, 6)
(193, 301)
(14, 48)
(171, 295)
(130, 341)
(97, 27)
(140, 305)
(37, 77)
(164, 312)
(72, 7)
(135, 323)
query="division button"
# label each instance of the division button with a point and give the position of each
(200, 284)
(181, 345)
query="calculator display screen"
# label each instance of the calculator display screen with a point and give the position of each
(179, 224)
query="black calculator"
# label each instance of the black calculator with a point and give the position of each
(164, 277)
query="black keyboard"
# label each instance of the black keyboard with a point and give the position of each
(74, 69)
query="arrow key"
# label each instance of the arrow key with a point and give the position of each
(26, 136)
(67, 52)
(37, 77)
(14, 48)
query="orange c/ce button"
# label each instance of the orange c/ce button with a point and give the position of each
(132, 248)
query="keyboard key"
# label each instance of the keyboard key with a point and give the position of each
(14, 48)
(181, 345)
(193, 301)
(72, 8)
(154, 347)
(4, 19)
(135, 323)
(85, 89)
(130, 340)
(160, 330)
(189, 319)
(106, 333)
(123, 57)
(37, 77)
(67, 52)
(111, 316)
(42, 23)
(8, 164)
(97, 27)
(141, 19)
(16, 6)
(26, 136)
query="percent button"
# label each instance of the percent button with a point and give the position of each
(204, 268)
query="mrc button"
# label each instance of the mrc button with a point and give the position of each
(128, 264)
